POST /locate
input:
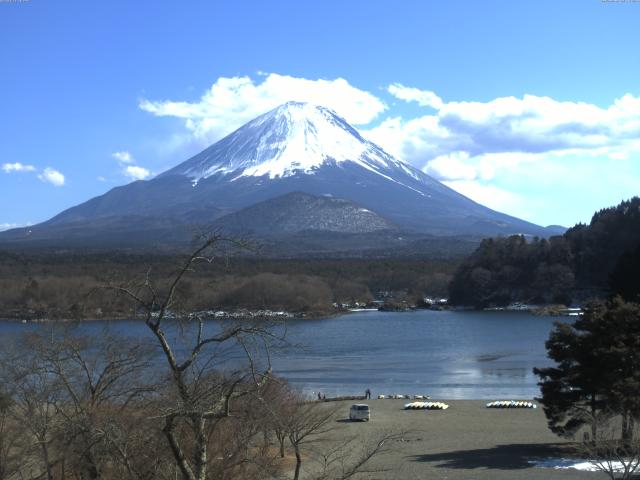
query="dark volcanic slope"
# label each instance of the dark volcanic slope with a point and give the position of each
(299, 212)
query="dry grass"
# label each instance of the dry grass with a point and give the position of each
(467, 441)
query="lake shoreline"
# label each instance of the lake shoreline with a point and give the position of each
(542, 310)
(229, 315)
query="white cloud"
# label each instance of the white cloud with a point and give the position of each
(52, 176)
(135, 172)
(488, 195)
(424, 98)
(453, 166)
(128, 167)
(466, 140)
(9, 226)
(461, 140)
(232, 101)
(17, 167)
(123, 157)
(480, 148)
(48, 175)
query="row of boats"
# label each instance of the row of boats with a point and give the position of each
(511, 404)
(426, 406)
(444, 406)
(403, 397)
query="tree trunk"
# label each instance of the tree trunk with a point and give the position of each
(296, 475)
(178, 454)
(201, 448)
(91, 468)
(282, 447)
(45, 457)
(625, 427)
(628, 425)
(594, 420)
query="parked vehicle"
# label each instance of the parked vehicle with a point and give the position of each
(360, 411)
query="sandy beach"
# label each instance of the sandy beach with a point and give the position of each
(466, 441)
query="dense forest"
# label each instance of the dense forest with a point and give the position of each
(592, 260)
(68, 284)
(598, 259)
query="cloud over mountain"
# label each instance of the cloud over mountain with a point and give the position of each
(475, 147)
(232, 101)
(8, 226)
(128, 166)
(482, 135)
(458, 140)
(135, 172)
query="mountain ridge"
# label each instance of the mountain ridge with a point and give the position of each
(296, 147)
(297, 212)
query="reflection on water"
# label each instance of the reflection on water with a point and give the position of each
(490, 357)
(452, 355)
(514, 372)
(442, 354)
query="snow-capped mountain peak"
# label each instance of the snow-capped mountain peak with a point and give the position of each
(280, 173)
(290, 139)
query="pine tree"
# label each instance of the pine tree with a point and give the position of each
(597, 372)
(625, 278)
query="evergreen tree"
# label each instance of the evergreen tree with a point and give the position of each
(572, 391)
(515, 269)
(597, 370)
(616, 326)
(625, 278)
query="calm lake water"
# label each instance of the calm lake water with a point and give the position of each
(452, 355)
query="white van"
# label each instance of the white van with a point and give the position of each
(360, 411)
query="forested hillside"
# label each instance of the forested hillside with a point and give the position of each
(66, 284)
(595, 259)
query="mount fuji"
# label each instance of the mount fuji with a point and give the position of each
(299, 169)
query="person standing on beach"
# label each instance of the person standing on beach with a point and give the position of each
(367, 394)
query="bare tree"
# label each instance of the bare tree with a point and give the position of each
(200, 403)
(98, 382)
(200, 383)
(11, 439)
(310, 429)
(608, 453)
(312, 433)
(71, 396)
(280, 404)
(34, 399)
(337, 462)
(306, 423)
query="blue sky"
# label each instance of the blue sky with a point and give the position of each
(532, 108)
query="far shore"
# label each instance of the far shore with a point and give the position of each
(540, 310)
(229, 315)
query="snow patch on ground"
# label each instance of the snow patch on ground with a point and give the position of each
(571, 464)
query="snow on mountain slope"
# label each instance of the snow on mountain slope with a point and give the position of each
(296, 147)
(293, 138)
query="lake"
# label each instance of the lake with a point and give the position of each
(444, 354)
